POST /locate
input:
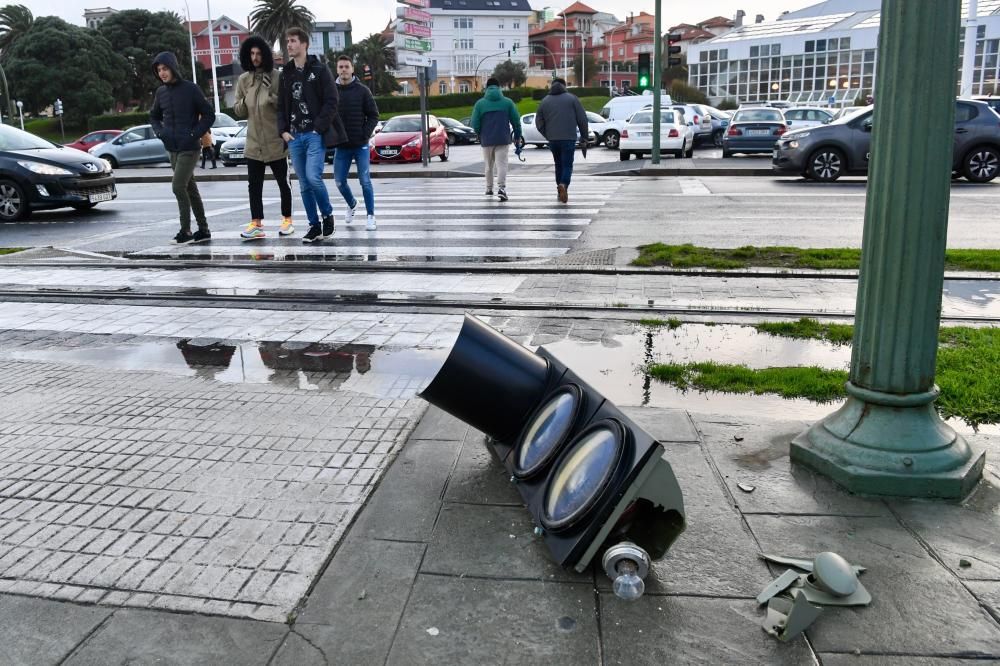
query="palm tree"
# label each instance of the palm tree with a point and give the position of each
(378, 54)
(271, 18)
(15, 21)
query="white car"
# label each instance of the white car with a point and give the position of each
(676, 135)
(602, 129)
(806, 116)
(533, 136)
(223, 129)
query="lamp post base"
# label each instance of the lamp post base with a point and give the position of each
(889, 444)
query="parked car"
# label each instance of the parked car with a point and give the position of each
(232, 151)
(720, 122)
(38, 175)
(602, 130)
(457, 132)
(806, 116)
(676, 135)
(844, 146)
(88, 141)
(619, 109)
(753, 130)
(400, 140)
(847, 111)
(136, 145)
(223, 129)
(992, 100)
(533, 136)
(701, 121)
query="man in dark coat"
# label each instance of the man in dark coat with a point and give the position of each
(359, 114)
(562, 120)
(180, 116)
(309, 123)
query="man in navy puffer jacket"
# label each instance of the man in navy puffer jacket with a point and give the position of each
(180, 116)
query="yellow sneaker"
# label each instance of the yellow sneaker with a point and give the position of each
(286, 228)
(254, 230)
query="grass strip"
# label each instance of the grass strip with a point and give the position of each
(967, 372)
(671, 323)
(749, 256)
(10, 250)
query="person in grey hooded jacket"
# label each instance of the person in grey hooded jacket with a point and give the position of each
(180, 116)
(559, 117)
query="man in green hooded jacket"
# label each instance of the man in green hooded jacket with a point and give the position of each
(494, 117)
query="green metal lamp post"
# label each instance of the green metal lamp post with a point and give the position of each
(888, 439)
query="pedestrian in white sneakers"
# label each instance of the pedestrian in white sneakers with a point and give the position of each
(494, 117)
(359, 113)
(257, 101)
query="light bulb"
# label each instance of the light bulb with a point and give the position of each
(628, 585)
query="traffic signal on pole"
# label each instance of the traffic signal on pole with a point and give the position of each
(644, 80)
(591, 478)
(57, 107)
(673, 48)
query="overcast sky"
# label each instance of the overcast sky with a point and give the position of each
(375, 13)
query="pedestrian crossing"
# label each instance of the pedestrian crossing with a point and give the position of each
(449, 220)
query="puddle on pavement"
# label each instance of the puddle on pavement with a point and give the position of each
(388, 373)
(971, 297)
(616, 367)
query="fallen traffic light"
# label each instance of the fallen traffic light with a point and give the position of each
(590, 477)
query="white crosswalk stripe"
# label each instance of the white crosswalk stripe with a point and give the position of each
(427, 221)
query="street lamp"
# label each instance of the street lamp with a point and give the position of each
(211, 51)
(20, 112)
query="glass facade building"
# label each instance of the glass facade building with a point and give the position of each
(819, 59)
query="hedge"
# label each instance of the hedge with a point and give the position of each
(539, 93)
(396, 103)
(131, 119)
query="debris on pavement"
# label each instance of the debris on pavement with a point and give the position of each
(964, 563)
(746, 487)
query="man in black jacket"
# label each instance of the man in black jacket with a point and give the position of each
(309, 123)
(359, 114)
(180, 116)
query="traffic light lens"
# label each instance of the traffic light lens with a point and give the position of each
(644, 81)
(583, 473)
(546, 431)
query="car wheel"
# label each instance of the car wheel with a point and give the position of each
(726, 153)
(452, 140)
(611, 140)
(981, 164)
(826, 165)
(84, 205)
(444, 155)
(690, 151)
(624, 155)
(678, 154)
(13, 202)
(717, 138)
(111, 160)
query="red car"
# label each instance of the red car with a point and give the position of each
(399, 140)
(88, 141)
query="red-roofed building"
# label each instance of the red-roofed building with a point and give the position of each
(557, 43)
(618, 53)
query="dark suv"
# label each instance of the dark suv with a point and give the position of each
(843, 147)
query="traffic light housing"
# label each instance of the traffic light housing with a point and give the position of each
(58, 107)
(644, 79)
(673, 49)
(591, 478)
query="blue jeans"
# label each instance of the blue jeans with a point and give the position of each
(342, 165)
(563, 152)
(308, 156)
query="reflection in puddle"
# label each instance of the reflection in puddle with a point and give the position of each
(977, 293)
(364, 369)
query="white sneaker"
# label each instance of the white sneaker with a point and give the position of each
(349, 215)
(370, 225)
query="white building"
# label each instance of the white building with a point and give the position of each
(93, 18)
(329, 36)
(823, 51)
(469, 39)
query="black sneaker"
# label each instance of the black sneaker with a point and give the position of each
(489, 192)
(201, 236)
(314, 235)
(183, 238)
(328, 226)
(502, 194)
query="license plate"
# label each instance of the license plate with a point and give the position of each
(388, 152)
(758, 132)
(100, 196)
(237, 156)
(644, 134)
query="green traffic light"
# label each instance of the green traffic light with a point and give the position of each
(643, 81)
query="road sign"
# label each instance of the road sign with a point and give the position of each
(412, 59)
(411, 14)
(415, 29)
(411, 44)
